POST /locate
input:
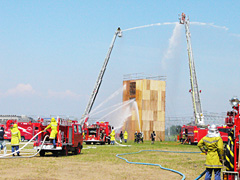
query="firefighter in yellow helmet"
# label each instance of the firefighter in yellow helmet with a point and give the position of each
(212, 146)
(53, 126)
(125, 136)
(15, 139)
(112, 135)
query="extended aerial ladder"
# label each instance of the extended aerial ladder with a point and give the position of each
(99, 79)
(197, 109)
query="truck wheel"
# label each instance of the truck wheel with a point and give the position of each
(22, 138)
(64, 152)
(78, 150)
(55, 153)
(42, 153)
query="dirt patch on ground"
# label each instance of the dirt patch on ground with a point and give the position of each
(101, 163)
(67, 168)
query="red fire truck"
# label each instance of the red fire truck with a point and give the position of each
(27, 129)
(232, 150)
(98, 133)
(69, 137)
(195, 133)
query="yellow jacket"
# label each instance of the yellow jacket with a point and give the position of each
(112, 135)
(214, 148)
(16, 135)
(53, 126)
(125, 135)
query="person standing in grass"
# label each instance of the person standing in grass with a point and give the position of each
(212, 146)
(125, 136)
(135, 136)
(15, 139)
(2, 142)
(139, 137)
(153, 137)
(142, 136)
(112, 135)
(121, 137)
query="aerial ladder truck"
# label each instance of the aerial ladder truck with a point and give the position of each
(85, 116)
(197, 109)
(194, 132)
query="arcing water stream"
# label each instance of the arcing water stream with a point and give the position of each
(137, 113)
(150, 25)
(174, 23)
(120, 90)
(118, 113)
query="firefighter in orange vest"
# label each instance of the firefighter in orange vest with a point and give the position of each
(53, 126)
(212, 146)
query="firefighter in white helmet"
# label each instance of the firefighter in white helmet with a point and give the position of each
(212, 146)
(53, 126)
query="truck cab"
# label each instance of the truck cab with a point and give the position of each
(69, 138)
(98, 133)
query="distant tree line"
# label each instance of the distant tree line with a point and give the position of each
(174, 130)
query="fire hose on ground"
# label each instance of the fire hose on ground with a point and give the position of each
(151, 164)
(122, 144)
(5, 155)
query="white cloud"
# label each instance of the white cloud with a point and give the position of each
(20, 89)
(63, 94)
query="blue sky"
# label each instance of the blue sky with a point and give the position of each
(52, 51)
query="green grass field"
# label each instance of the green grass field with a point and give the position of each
(101, 163)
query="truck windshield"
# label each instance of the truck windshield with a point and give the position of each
(224, 130)
(79, 129)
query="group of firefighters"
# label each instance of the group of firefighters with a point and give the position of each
(16, 136)
(121, 135)
(138, 137)
(211, 145)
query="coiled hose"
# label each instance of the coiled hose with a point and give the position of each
(5, 156)
(151, 164)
